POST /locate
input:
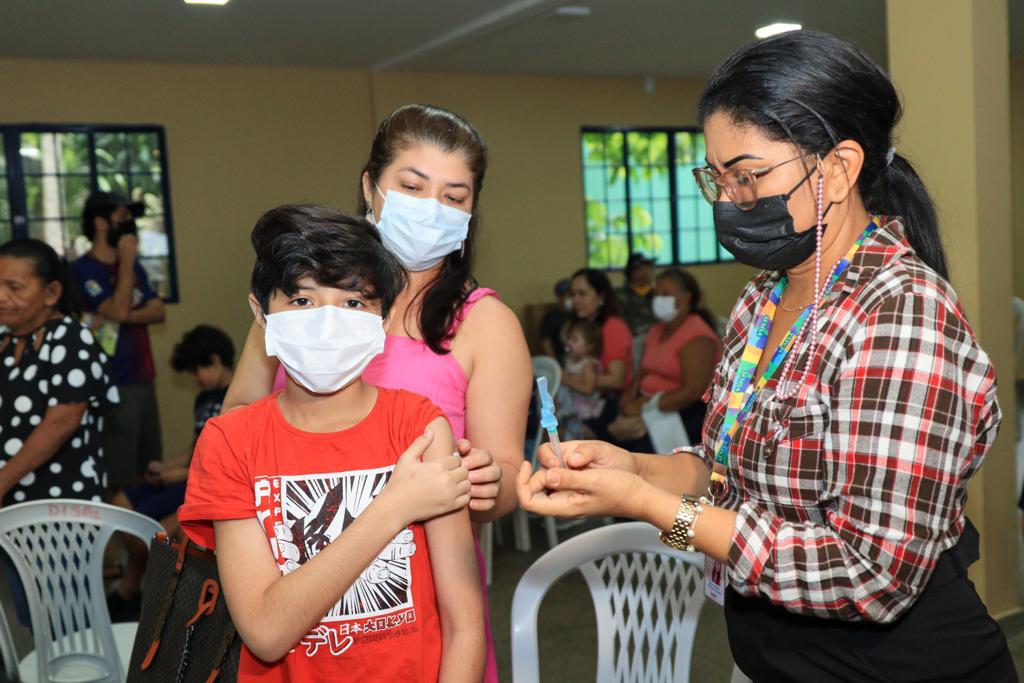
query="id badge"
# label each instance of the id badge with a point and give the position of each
(714, 580)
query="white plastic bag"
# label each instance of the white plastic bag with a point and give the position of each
(665, 430)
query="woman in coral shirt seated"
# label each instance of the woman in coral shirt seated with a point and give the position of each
(680, 353)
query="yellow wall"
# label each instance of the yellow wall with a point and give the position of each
(956, 131)
(1017, 181)
(240, 140)
(1017, 166)
(532, 228)
(243, 139)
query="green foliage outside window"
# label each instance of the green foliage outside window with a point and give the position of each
(57, 169)
(640, 195)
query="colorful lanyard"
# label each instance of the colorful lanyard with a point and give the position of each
(744, 392)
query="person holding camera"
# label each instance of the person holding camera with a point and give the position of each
(120, 304)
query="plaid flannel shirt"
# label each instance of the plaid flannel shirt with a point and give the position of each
(848, 492)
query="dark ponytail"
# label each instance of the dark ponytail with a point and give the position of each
(900, 192)
(688, 283)
(815, 90)
(49, 267)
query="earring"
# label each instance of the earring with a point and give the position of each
(462, 252)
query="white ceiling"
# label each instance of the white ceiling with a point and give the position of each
(620, 37)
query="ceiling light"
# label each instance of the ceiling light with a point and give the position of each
(206, 2)
(775, 29)
(572, 11)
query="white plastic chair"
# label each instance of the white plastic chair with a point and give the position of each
(647, 599)
(57, 549)
(7, 651)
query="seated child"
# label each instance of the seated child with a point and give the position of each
(208, 355)
(314, 497)
(582, 366)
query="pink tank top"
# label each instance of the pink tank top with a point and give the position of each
(409, 364)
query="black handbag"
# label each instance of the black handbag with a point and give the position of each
(185, 634)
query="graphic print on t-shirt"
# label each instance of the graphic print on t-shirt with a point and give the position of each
(303, 514)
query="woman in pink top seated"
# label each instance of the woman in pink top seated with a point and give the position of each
(594, 299)
(450, 340)
(680, 353)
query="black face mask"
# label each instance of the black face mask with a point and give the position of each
(127, 227)
(764, 237)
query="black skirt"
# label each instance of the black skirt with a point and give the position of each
(947, 635)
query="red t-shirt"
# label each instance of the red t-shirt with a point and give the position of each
(617, 344)
(305, 488)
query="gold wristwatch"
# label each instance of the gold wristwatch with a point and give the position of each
(680, 536)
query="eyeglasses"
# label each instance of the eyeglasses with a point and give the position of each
(740, 184)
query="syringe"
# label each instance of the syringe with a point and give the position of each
(547, 417)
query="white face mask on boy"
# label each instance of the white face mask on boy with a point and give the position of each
(325, 348)
(420, 231)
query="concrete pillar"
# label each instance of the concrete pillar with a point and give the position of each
(950, 62)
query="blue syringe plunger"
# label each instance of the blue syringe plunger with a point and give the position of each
(547, 406)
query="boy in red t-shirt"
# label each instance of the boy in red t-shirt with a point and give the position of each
(313, 496)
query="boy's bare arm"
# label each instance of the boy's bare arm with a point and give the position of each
(456, 581)
(273, 612)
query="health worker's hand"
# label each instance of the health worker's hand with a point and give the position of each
(581, 493)
(582, 455)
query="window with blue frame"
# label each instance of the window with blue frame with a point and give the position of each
(47, 171)
(639, 195)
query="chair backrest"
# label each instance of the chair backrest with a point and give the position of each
(57, 549)
(546, 366)
(647, 599)
(7, 650)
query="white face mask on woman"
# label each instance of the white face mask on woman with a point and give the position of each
(420, 231)
(324, 349)
(664, 308)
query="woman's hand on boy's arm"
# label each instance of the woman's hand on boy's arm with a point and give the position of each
(456, 581)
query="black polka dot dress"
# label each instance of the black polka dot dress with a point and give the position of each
(67, 367)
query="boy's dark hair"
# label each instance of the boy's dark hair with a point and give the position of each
(591, 332)
(198, 346)
(334, 248)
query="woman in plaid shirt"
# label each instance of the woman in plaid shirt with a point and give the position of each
(851, 407)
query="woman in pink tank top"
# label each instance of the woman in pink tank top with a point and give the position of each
(448, 339)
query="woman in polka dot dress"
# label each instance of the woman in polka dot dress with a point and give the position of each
(53, 382)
